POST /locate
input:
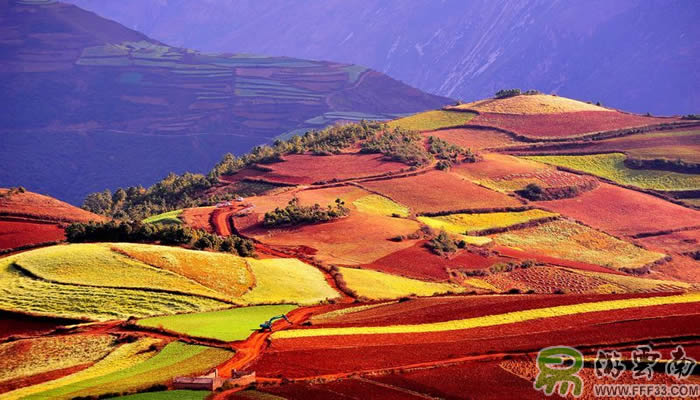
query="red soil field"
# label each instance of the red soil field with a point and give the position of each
(566, 124)
(494, 165)
(621, 211)
(483, 379)
(530, 255)
(316, 356)
(37, 206)
(305, 169)
(438, 309)
(678, 242)
(14, 324)
(14, 234)
(354, 388)
(198, 218)
(420, 263)
(546, 279)
(639, 145)
(474, 139)
(438, 191)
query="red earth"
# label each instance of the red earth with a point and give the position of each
(530, 255)
(438, 191)
(420, 263)
(353, 388)
(37, 206)
(625, 212)
(295, 358)
(16, 233)
(474, 139)
(562, 125)
(14, 324)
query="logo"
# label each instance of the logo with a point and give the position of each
(558, 367)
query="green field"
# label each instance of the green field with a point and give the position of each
(431, 120)
(170, 395)
(611, 166)
(226, 325)
(170, 217)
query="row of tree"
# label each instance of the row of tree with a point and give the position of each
(296, 214)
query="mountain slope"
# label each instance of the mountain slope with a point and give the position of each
(635, 55)
(92, 104)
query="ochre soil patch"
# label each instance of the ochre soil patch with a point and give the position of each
(305, 169)
(569, 124)
(37, 206)
(321, 355)
(15, 324)
(548, 279)
(198, 218)
(18, 233)
(356, 239)
(474, 139)
(439, 191)
(420, 263)
(621, 211)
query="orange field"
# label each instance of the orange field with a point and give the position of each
(198, 218)
(563, 125)
(438, 191)
(621, 211)
(474, 139)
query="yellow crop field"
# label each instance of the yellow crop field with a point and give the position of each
(23, 358)
(97, 265)
(571, 241)
(496, 319)
(530, 104)
(377, 285)
(475, 240)
(611, 166)
(431, 120)
(380, 205)
(23, 293)
(123, 357)
(461, 223)
(287, 280)
(225, 273)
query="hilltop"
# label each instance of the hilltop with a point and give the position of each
(112, 106)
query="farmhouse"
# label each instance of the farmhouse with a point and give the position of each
(213, 381)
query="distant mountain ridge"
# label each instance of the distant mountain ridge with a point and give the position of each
(636, 55)
(91, 104)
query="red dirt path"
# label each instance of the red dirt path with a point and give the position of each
(566, 124)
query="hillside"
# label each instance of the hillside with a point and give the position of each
(28, 219)
(594, 50)
(92, 104)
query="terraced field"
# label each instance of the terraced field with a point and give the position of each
(571, 241)
(431, 120)
(225, 325)
(611, 166)
(144, 369)
(470, 224)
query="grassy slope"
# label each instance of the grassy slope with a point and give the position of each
(287, 280)
(611, 166)
(461, 223)
(380, 205)
(431, 120)
(170, 217)
(226, 325)
(380, 286)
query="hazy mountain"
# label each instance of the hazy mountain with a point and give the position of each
(638, 55)
(90, 104)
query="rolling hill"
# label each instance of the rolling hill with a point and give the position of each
(595, 50)
(92, 104)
